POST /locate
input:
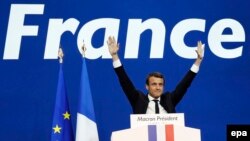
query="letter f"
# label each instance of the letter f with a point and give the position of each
(16, 28)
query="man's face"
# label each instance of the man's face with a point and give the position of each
(155, 86)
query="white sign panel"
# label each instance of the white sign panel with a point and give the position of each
(137, 120)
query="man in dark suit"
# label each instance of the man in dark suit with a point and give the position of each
(156, 101)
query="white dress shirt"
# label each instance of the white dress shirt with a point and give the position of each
(151, 106)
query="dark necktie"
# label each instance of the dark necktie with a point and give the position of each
(156, 106)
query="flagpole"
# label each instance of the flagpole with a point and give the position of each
(61, 127)
(86, 127)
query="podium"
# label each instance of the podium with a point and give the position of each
(157, 127)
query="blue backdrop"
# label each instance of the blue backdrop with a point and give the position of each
(218, 96)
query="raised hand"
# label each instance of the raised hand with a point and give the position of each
(200, 50)
(112, 46)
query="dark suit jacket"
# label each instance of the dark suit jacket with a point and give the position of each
(139, 101)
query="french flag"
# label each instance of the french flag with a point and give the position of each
(164, 133)
(86, 128)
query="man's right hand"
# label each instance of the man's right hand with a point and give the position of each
(113, 47)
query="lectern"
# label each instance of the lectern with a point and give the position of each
(157, 127)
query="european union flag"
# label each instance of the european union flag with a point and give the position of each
(61, 127)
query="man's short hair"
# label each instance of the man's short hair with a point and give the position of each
(155, 74)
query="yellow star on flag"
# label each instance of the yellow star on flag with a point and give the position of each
(57, 129)
(66, 115)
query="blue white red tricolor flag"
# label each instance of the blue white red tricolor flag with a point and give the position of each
(86, 128)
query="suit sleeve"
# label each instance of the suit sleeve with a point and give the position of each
(182, 87)
(127, 86)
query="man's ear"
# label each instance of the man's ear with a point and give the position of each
(146, 86)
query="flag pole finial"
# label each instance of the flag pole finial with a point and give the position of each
(60, 55)
(83, 50)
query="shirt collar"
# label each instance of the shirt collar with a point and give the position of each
(151, 98)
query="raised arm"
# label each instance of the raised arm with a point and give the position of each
(184, 84)
(126, 84)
